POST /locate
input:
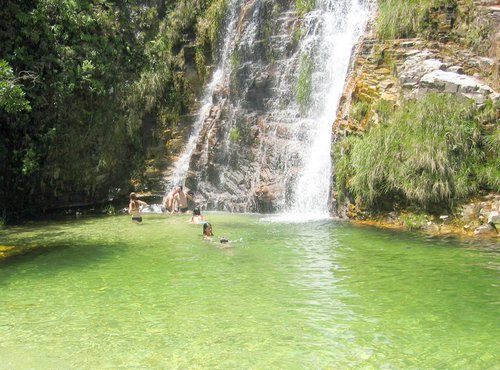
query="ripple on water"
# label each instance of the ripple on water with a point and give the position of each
(309, 295)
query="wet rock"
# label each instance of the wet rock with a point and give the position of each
(442, 81)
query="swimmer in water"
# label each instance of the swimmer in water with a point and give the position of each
(197, 218)
(207, 231)
(208, 234)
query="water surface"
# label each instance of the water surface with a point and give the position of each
(106, 293)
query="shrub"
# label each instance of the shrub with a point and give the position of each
(208, 32)
(414, 221)
(430, 153)
(359, 110)
(304, 6)
(234, 134)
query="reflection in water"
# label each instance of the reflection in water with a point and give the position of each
(285, 295)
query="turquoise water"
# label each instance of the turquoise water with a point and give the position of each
(108, 294)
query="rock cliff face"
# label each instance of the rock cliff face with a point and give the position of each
(264, 118)
(233, 164)
(393, 70)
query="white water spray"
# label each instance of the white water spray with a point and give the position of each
(182, 164)
(289, 156)
(332, 31)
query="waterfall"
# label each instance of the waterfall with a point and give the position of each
(182, 164)
(262, 137)
(331, 33)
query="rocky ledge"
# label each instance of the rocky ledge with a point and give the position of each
(479, 218)
(393, 70)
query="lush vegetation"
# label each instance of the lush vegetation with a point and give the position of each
(394, 20)
(208, 30)
(304, 6)
(428, 154)
(86, 89)
(464, 24)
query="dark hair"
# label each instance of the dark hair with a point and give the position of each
(190, 192)
(133, 196)
(206, 225)
(196, 211)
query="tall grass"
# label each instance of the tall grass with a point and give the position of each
(429, 153)
(208, 31)
(406, 18)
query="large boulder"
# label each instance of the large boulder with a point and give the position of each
(452, 82)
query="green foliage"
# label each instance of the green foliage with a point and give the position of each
(110, 210)
(304, 6)
(414, 221)
(477, 37)
(406, 19)
(12, 97)
(341, 151)
(234, 134)
(429, 154)
(304, 82)
(359, 110)
(104, 81)
(473, 31)
(384, 109)
(235, 60)
(208, 30)
(73, 123)
(298, 33)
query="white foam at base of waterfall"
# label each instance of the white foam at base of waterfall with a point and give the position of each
(334, 28)
(296, 217)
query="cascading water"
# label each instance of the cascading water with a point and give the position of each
(182, 164)
(331, 33)
(262, 139)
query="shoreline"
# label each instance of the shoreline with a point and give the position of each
(434, 229)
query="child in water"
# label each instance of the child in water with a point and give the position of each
(208, 233)
(134, 208)
(197, 218)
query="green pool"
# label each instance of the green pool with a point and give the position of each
(109, 294)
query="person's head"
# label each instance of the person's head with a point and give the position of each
(207, 229)
(179, 187)
(196, 212)
(133, 196)
(190, 193)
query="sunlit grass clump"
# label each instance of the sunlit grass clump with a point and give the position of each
(429, 154)
(304, 6)
(408, 18)
(208, 32)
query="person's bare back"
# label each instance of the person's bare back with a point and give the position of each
(168, 200)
